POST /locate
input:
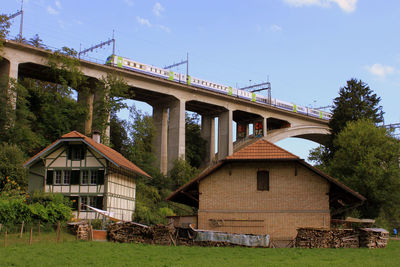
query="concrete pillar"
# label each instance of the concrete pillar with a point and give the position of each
(86, 98)
(208, 134)
(225, 144)
(265, 127)
(176, 132)
(8, 71)
(99, 111)
(160, 142)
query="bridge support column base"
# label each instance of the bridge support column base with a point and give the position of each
(176, 132)
(160, 120)
(86, 98)
(225, 144)
(208, 134)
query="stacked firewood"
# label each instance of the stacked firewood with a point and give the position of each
(373, 237)
(80, 229)
(130, 232)
(326, 238)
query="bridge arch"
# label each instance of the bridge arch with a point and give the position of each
(317, 134)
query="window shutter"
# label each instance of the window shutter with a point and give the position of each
(100, 177)
(83, 150)
(69, 152)
(75, 177)
(49, 177)
(99, 202)
(263, 180)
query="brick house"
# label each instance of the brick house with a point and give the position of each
(87, 172)
(264, 189)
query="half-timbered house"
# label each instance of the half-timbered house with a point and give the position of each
(89, 173)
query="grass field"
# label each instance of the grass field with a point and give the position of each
(71, 253)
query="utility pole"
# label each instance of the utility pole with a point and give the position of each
(100, 45)
(22, 21)
(260, 87)
(180, 63)
(20, 12)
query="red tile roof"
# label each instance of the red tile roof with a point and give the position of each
(261, 149)
(106, 151)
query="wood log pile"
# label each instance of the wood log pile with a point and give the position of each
(341, 238)
(80, 229)
(130, 232)
(326, 238)
(373, 237)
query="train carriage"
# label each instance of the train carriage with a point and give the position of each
(125, 63)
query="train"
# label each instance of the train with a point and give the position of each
(125, 63)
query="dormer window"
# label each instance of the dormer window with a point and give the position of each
(76, 152)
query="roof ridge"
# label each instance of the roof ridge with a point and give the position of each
(112, 155)
(261, 149)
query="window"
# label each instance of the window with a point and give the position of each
(92, 201)
(76, 152)
(74, 200)
(84, 202)
(263, 180)
(58, 177)
(85, 177)
(75, 176)
(49, 177)
(67, 177)
(93, 177)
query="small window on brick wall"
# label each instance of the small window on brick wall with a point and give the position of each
(263, 180)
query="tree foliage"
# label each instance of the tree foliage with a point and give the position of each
(4, 29)
(110, 93)
(356, 101)
(11, 169)
(194, 143)
(367, 160)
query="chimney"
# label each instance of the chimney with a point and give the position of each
(96, 137)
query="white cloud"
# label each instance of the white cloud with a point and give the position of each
(275, 28)
(51, 11)
(143, 21)
(58, 4)
(346, 5)
(129, 2)
(380, 70)
(157, 9)
(164, 28)
(61, 24)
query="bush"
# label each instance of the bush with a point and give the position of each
(11, 160)
(47, 209)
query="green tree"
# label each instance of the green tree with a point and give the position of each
(367, 160)
(11, 160)
(36, 41)
(141, 132)
(195, 145)
(181, 173)
(111, 90)
(119, 139)
(20, 131)
(54, 110)
(356, 101)
(4, 29)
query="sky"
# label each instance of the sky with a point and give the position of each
(307, 49)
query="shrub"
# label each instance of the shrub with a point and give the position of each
(48, 209)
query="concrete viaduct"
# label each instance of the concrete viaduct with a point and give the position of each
(170, 100)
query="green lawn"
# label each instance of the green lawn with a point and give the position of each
(71, 253)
